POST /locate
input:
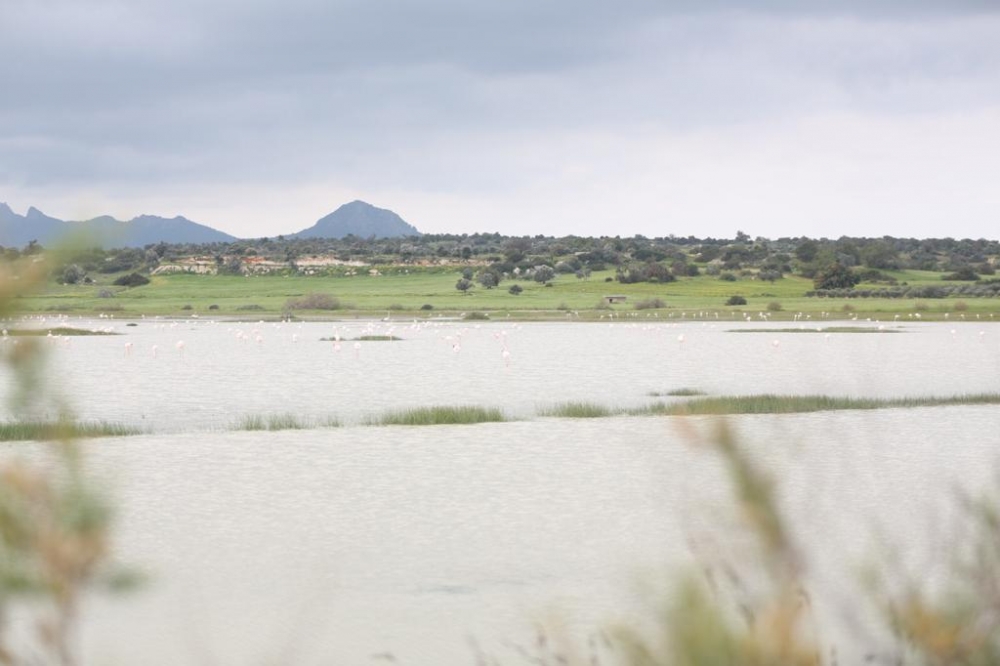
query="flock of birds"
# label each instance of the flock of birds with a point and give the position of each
(254, 333)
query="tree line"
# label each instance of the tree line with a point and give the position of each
(832, 263)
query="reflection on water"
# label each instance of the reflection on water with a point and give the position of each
(334, 545)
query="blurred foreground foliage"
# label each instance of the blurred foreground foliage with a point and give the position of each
(54, 522)
(758, 611)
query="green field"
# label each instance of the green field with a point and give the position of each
(428, 293)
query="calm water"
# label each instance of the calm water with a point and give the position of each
(224, 372)
(342, 545)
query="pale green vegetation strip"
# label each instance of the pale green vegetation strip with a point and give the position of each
(580, 410)
(828, 329)
(678, 393)
(17, 431)
(59, 330)
(465, 414)
(794, 404)
(470, 414)
(273, 422)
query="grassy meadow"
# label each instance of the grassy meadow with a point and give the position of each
(432, 292)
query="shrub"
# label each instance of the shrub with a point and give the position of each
(650, 304)
(515, 289)
(249, 307)
(213, 307)
(476, 316)
(187, 306)
(727, 277)
(73, 274)
(768, 275)
(313, 302)
(132, 280)
(105, 293)
(920, 306)
(961, 306)
(736, 300)
(836, 276)
(426, 306)
(774, 306)
(847, 307)
(966, 274)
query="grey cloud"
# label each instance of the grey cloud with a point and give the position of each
(259, 91)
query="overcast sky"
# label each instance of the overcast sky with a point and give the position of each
(257, 117)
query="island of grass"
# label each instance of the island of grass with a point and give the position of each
(797, 404)
(677, 393)
(827, 329)
(580, 410)
(18, 431)
(441, 415)
(66, 331)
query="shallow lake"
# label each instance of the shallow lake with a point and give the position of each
(350, 545)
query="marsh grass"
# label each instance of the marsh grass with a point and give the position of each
(580, 410)
(795, 404)
(441, 415)
(59, 330)
(252, 422)
(677, 393)
(378, 338)
(827, 329)
(19, 431)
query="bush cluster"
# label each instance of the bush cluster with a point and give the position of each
(132, 280)
(313, 302)
(983, 289)
(650, 304)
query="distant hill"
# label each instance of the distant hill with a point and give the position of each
(357, 218)
(18, 230)
(360, 219)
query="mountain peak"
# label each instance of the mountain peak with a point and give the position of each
(359, 218)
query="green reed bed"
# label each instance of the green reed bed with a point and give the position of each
(16, 431)
(65, 331)
(252, 422)
(827, 329)
(444, 415)
(580, 410)
(794, 404)
(677, 393)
